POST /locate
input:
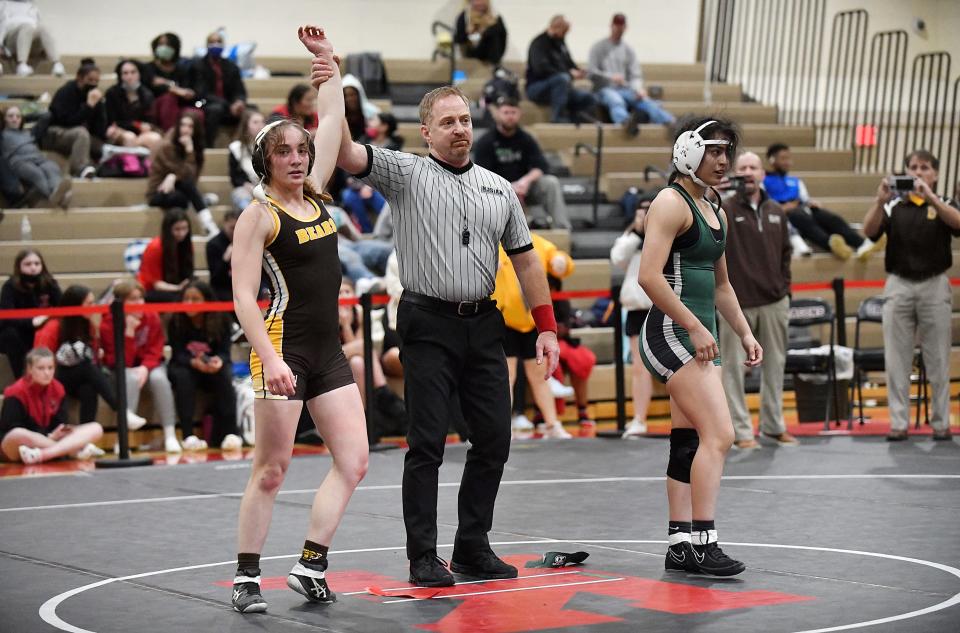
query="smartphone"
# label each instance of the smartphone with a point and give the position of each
(901, 183)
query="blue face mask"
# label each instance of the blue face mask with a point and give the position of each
(215, 51)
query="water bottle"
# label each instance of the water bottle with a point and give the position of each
(26, 231)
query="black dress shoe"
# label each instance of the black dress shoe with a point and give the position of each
(429, 570)
(483, 565)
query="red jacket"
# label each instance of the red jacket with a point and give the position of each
(313, 121)
(145, 347)
(151, 264)
(42, 405)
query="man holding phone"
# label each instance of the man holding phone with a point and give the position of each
(919, 226)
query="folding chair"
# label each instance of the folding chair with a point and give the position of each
(807, 313)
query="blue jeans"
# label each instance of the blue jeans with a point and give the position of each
(558, 92)
(357, 258)
(619, 100)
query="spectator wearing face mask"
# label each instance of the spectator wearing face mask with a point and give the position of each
(166, 76)
(78, 120)
(129, 103)
(382, 132)
(218, 85)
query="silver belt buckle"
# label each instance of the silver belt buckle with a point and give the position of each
(472, 304)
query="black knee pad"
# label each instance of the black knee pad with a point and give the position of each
(683, 447)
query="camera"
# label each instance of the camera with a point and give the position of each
(902, 184)
(737, 183)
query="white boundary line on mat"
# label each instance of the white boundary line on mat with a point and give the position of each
(455, 484)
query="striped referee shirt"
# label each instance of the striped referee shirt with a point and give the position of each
(435, 206)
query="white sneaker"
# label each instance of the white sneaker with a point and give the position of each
(171, 445)
(24, 70)
(88, 173)
(231, 443)
(58, 70)
(194, 443)
(372, 285)
(211, 199)
(636, 428)
(800, 248)
(555, 432)
(29, 455)
(89, 451)
(558, 389)
(135, 422)
(521, 422)
(206, 219)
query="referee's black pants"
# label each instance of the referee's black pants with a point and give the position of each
(443, 354)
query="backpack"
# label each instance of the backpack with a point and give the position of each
(124, 166)
(369, 69)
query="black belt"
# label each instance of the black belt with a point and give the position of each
(457, 308)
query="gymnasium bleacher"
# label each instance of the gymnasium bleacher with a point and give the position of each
(85, 244)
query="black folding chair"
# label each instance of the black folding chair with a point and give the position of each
(868, 359)
(807, 313)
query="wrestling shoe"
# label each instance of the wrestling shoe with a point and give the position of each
(429, 570)
(680, 558)
(710, 559)
(246, 595)
(310, 583)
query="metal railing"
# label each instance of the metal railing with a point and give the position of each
(854, 86)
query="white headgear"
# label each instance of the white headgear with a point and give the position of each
(688, 151)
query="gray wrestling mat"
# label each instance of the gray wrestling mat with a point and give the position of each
(838, 534)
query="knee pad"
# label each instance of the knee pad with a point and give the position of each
(683, 447)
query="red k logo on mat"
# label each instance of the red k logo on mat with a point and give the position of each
(537, 600)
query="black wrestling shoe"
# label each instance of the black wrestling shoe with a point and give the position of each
(310, 583)
(680, 558)
(246, 595)
(484, 565)
(710, 559)
(429, 570)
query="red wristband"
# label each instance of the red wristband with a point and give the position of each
(543, 317)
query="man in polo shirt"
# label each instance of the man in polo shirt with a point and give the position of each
(450, 216)
(758, 263)
(919, 226)
(509, 151)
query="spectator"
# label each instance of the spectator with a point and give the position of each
(20, 151)
(758, 265)
(217, 83)
(30, 286)
(242, 176)
(75, 341)
(364, 260)
(20, 27)
(919, 226)
(33, 421)
(129, 104)
(550, 75)
(363, 203)
(143, 353)
(387, 403)
(168, 78)
(382, 132)
(219, 253)
(625, 255)
(358, 110)
(618, 82)
(814, 223)
(521, 333)
(576, 360)
(509, 151)
(78, 120)
(167, 264)
(200, 359)
(301, 106)
(175, 171)
(480, 32)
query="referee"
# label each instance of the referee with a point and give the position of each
(449, 217)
